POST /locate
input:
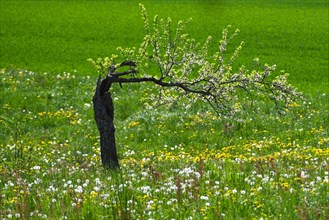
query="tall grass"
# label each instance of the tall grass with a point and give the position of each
(176, 163)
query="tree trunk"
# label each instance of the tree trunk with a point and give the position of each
(104, 115)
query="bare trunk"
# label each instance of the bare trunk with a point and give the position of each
(104, 116)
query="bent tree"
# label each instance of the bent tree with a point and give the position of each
(184, 70)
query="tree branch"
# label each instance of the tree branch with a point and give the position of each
(158, 82)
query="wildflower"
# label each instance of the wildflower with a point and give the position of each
(304, 175)
(204, 198)
(150, 204)
(265, 179)
(97, 181)
(37, 181)
(96, 188)
(133, 124)
(51, 189)
(129, 201)
(105, 196)
(10, 183)
(87, 105)
(197, 175)
(145, 189)
(79, 189)
(36, 168)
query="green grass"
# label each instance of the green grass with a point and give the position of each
(175, 163)
(58, 36)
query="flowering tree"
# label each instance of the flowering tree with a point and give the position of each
(184, 70)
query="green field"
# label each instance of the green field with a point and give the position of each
(175, 163)
(58, 36)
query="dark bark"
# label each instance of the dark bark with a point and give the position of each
(104, 116)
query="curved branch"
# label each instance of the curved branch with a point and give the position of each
(159, 82)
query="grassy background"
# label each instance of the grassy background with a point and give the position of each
(176, 163)
(58, 36)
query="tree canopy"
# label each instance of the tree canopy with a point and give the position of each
(186, 69)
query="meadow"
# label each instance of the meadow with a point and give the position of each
(176, 163)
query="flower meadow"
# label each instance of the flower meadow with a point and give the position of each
(175, 163)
